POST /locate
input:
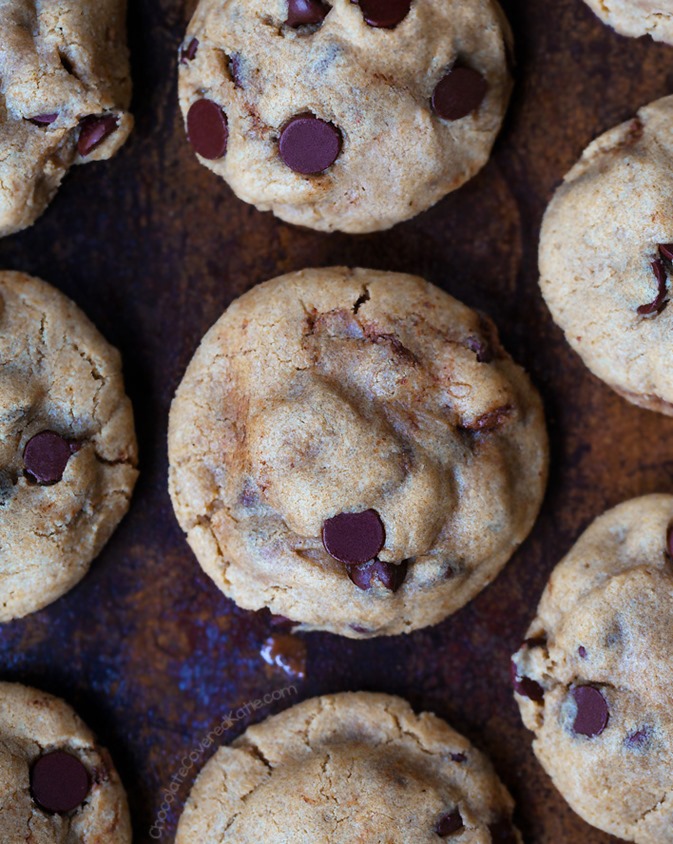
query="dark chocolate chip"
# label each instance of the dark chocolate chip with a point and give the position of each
(44, 119)
(459, 93)
(525, 686)
(59, 782)
(666, 251)
(502, 832)
(384, 14)
(46, 455)
(189, 51)
(481, 349)
(94, 130)
(592, 711)
(358, 628)
(449, 823)
(309, 145)
(638, 740)
(287, 652)
(582, 651)
(208, 129)
(305, 12)
(377, 573)
(354, 537)
(660, 301)
(458, 757)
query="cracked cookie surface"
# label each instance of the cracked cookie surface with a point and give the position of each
(389, 148)
(637, 17)
(593, 678)
(346, 768)
(67, 444)
(33, 726)
(66, 87)
(605, 257)
(365, 413)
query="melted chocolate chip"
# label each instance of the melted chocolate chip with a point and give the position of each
(44, 119)
(666, 251)
(384, 14)
(490, 421)
(287, 652)
(94, 130)
(46, 455)
(377, 573)
(526, 687)
(59, 782)
(189, 51)
(306, 12)
(592, 711)
(458, 757)
(582, 651)
(449, 823)
(354, 537)
(459, 93)
(208, 129)
(502, 832)
(481, 349)
(660, 301)
(309, 145)
(358, 628)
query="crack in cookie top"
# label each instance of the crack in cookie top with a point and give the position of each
(593, 678)
(344, 115)
(355, 450)
(66, 88)
(346, 768)
(67, 444)
(637, 17)
(605, 257)
(64, 787)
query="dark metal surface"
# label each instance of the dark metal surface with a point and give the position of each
(154, 247)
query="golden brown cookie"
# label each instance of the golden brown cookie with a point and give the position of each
(66, 87)
(355, 451)
(342, 115)
(67, 444)
(344, 768)
(593, 678)
(57, 785)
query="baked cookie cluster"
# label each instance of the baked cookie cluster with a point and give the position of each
(343, 115)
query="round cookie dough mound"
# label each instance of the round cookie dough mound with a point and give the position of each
(593, 679)
(366, 413)
(379, 152)
(605, 257)
(65, 85)
(637, 17)
(48, 754)
(346, 768)
(67, 444)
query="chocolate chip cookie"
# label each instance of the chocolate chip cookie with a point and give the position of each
(66, 87)
(356, 451)
(67, 444)
(344, 115)
(346, 768)
(606, 257)
(593, 678)
(637, 17)
(57, 786)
